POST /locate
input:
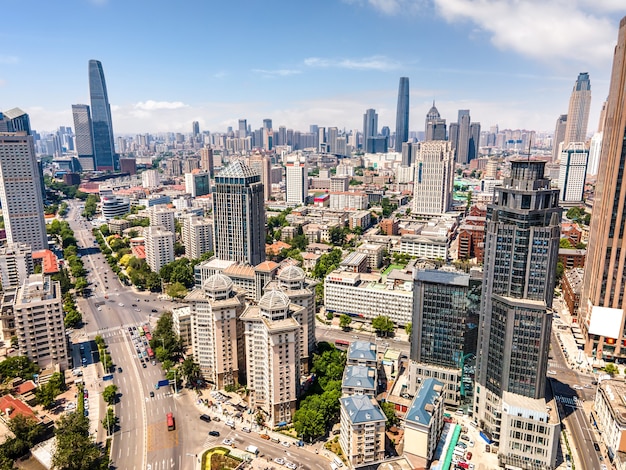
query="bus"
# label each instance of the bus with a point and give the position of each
(170, 422)
(146, 329)
(148, 337)
(150, 353)
(342, 344)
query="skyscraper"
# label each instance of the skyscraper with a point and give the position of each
(463, 139)
(434, 177)
(297, 176)
(521, 252)
(435, 126)
(267, 124)
(83, 132)
(21, 190)
(370, 130)
(572, 173)
(578, 111)
(195, 128)
(559, 136)
(14, 120)
(402, 114)
(103, 144)
(239, 215)
(474, 141)
(602, 301)
(243, 128)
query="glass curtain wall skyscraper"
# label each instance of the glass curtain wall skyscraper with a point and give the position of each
(578, 111)
(402, 114)
(104, 147)
(84, 136)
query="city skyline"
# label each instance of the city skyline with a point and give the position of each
(514, 77)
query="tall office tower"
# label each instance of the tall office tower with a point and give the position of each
(435, 126)
(239, 215)
(263, 166)
(453, 135)
(21, 191)
(217, 332)
(268, 139)
(197, 183)
(315, 130)
(103, 143)
(602, 301)
(273, 342)
(572, 173)
(280, 138)
(595, 149)
(14, 120)
(293, 283)
(521, 252)
(434, 177)
(370, 130)
(321, 139)
(559, 136)
(267, 124)
(159, 247)
(206, 160)
(297, 176)
(38, 310)
(197, 236)
(578, 111)
(243, 128)
(333, 133)
(16, 264)
(402, 114)
(84, 136)
(195, 128)
(409, 152)
(474, 142)
(446, 306)
(463, 139)
(163, 216)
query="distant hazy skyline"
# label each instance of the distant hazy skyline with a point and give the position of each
(169, 63)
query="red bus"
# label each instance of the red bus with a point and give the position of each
(150, 353)
(148, 337)
(342, 344)
(146, 329)
(170, 422)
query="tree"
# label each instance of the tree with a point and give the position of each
(75, 450)
(390, 412)
(109, 422)
(190, 370)
(337, 236)
(565, 243)
(109, 394)
(309, 423)
(18, 366)
(408, 328)
(383, 325)
(344, 321)
(611, 369)
(177, 290)
(560, 270)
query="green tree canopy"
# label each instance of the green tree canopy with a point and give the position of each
(75, 450)
(17, 366)
(383, 325)
(109, 394)
(344, 321)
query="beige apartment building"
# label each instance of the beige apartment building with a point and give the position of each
(362, 437)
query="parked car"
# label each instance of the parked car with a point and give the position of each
(265, 436)
(214, 433)
(205, 418)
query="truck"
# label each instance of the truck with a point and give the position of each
(162, 383)
(253, 450)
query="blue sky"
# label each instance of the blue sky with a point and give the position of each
(511, 62)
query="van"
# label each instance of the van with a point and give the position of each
(459, 413)
(337, 461)
(474, 424)
(230, 423)
(275, 440)
(205, 418)
(459, 452)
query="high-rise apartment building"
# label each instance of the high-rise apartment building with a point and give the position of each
(38, 310)
(362, 436)
(197, 236)
(217, 332)
(197, 183)
(150, 179)
(434, 177)
(559, 136)
(159, 247)
(602, 301)
(370, 130)
(402, 114)
(521, 252)
(206, 160)
(16, 264)
(21, 191)
(272, 338)
(102, 125)
(578, 111)
(239, 215)
(297, 184)
(573, 172)
(163, 216)
(263, 166)
(84, 136)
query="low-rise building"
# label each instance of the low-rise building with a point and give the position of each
(572, 257)
(362, 437)
(424, 421)
(610, 416)
(374, 254)
(359, 380)
(423, 247)
(118, 225)
(355, 262)
(362, 353)
(572, 284)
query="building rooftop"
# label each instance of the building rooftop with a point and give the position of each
(423, 403)
(359, 377)
(362, 350)
(239, 270)
(237, 169)
(362, 409)
(439, 276)
(614, 393)
(354, 259)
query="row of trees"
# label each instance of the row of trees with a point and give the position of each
(91, 206)
(105, 357)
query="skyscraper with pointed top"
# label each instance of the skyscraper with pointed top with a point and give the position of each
(103, 144)
(578, 111)
(435, 126)
(402, 114)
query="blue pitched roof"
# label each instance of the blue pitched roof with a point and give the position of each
(426, 396)
(362, 409)
(359, 377)
(362, 350)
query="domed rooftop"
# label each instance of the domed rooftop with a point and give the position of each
(217, 282)
(274, 300)
(291, 273)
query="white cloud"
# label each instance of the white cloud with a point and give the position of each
(557, 30)
(152, 105)
(380, 63)
(277, 73)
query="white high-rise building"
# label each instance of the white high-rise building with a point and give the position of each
(16, 264)
(159, 247)
(297, 176)
(433, 178)
(197, 236)
(572, 172)
(38, 309)
(20, 191)
(272, 337)
(217, 332)
(150, 179)
(164, 217)
(595, 147)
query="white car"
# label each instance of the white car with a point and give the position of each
(285, 444)
(552, 372)
(279, 461)
(577, 387)
(291, 465)
(121, 304)
(227, 442)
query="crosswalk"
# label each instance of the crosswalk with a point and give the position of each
(160, 396)
(569, 401)
(164, 464)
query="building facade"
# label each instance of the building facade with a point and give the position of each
(159, 247)
(16, 264)
(578, 111)
(83, 132)
(402, 114)
(297, 181)
(434, 176)
(362, 437)
(102, 125)
(573, 172)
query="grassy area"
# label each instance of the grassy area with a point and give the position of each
(334, 447)
(219, 458)
(391, 267)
